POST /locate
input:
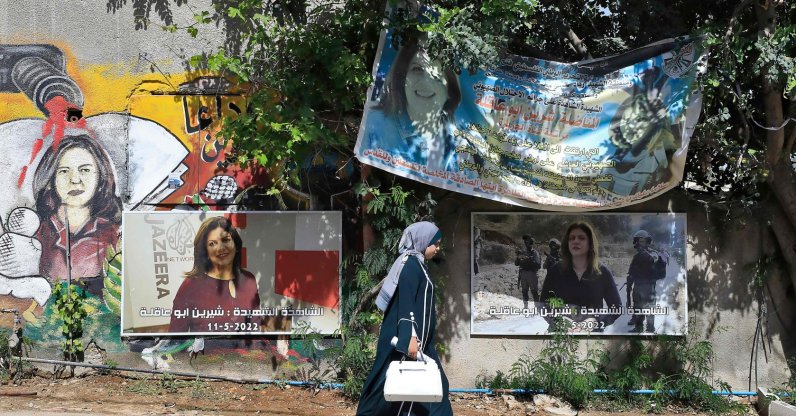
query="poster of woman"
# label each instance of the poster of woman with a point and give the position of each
(195, 272)
(608, 274)
(608, 132)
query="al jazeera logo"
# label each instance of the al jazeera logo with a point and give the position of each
(176, 238)
(180, 237)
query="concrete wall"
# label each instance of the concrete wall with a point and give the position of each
(721, 303)
(126, 81)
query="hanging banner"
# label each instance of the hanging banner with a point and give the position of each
(607, 274)
(283, 273)
(597, 134)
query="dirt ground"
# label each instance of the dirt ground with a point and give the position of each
(117, 394)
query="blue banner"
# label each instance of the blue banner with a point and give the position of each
(595, 134)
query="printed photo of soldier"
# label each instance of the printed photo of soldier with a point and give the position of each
(552, 256)
(647, 267)
(477, 242)
(530, 262)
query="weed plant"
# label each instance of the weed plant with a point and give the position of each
(691, 382)
(108, 371)
(633, 375)
(169, 384)
(559, 370)
(355, 362)
(144, 386)
(10, 367)
(166, 383)
(787, 392)
(5, 356)
(499, 381)
(321, 366)
(197, 386)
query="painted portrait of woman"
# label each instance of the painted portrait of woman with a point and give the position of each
(216, 282)
(416, 121)
(75, 184)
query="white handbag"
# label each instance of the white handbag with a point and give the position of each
(413, 381)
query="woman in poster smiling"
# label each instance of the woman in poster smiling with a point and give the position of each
(216, 283)
(416, 117)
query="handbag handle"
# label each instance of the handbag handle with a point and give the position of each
(419, 340)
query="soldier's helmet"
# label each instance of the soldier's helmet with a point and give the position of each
(554, 243)
(528, 239)
(642, 234)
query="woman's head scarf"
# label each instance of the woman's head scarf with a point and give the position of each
(414, 241)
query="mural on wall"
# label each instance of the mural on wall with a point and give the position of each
(82, 144)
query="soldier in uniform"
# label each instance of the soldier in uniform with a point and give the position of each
(554, 256)
(530, 262)
(641, 282)
(477, 243)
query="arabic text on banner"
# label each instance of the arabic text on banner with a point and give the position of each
(590, 135)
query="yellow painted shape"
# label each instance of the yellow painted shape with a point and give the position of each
(167, 110)
(106, 87)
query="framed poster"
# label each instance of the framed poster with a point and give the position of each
(611, 274)
(208, 273)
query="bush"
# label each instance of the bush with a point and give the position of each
(559, 370)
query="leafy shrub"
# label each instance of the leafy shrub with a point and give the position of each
(559, 370)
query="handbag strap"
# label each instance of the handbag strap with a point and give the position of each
(426, 328)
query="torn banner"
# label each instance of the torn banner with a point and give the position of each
(598, 134)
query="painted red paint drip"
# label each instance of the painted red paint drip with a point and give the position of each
(57, 109)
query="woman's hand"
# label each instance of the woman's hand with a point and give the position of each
(412, 353)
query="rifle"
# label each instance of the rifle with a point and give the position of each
(629, 289)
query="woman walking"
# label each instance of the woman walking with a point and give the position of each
(407, 299)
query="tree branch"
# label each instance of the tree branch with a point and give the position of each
(577, 44)
(788, 149)
(734, 19)
(365, 300)
(746, 129)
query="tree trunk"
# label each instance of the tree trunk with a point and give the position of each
(772, 98)
(369, 297)
(368, 235)
(782, 182)
(785, 234)
(781, 178)
(577, 44)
